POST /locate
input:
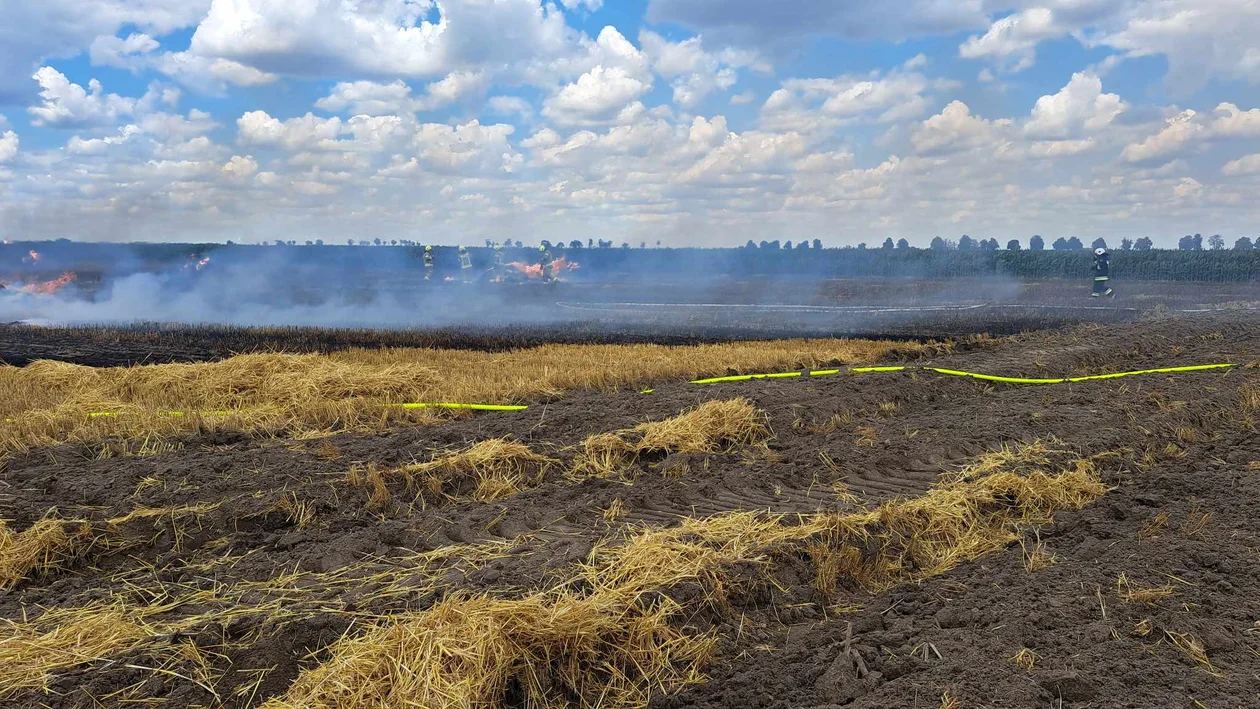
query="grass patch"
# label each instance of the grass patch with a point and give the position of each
(41, 548)
(487, 471)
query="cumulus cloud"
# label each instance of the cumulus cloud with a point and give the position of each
(1179, 131)
(820, 104)
(1229, 121)
(607, 92)
(1246, 165)
(65, 104)
(954, 129)
(693, 72)
(1012, 41)
(8, 145)
(301, 133)
(1077, 109)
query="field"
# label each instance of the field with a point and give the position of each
(271, 530)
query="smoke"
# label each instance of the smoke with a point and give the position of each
(656, 291)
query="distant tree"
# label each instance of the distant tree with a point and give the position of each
(938, 244)
(1075, 243)
(642, 244)
(1060, 244)
(590, 243)
(902, 243)
(1216, 242)
(861, 246)
(1013, 245)
(1243, 244)
(364, 242)
(1185, 243)
(817, 244)
(310, 243)
(1036, 243)
(1143, 244)
(575, 244)
(787, 245)
(625, 244)
(1197, 241)
(1099, 243)
(888, 244)
(376, 241)
(319, 242)
(991, 245)
(279, 242)
(763, 245)
(349, 242)
(520, 245)
(966, 243)
(750, 245)
(1126, 244)
(802, 245)
(658, 243)
(393, 242)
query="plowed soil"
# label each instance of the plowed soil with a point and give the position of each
(1183, 457)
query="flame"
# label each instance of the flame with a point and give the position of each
(31, 257)
(533, 271)
(203, 263)
(49, 287)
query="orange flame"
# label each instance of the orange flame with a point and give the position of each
(533, 271)
(203, 263)
(49, 287)
(31, 257)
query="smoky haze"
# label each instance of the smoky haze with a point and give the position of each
(384, 287)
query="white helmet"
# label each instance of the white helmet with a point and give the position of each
(1100, 252)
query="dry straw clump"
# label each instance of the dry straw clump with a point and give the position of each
(31, 652)
(43, 547)
(546, 651)
(612, 637)
(48, 402)
(711, 427)
(487, 471)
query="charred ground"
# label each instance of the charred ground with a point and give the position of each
(260, 553)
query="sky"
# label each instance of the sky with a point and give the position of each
(689, 122)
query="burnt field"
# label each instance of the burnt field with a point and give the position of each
(501, 317)
(859, 539)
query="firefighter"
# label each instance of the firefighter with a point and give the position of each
(545, 261)
(465, 265)
(1102, 275)
(500, 263)
(428, 263)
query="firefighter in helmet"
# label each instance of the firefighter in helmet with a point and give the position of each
(428, 263)
(546, 262)
(1102, 274)
(500, 263)
(465, 265)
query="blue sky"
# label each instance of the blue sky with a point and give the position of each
(692, 122)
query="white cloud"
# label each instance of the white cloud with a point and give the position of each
(301, 133)
(68, 105)
(34, 32)
(1178, 132)
(8, 145)
(744, 98)
(955, 128)
(1012, 41)
(1079, 108)
(693, 72)
(1246, 165)
(368, 97)
(408, 38)
(240, 168)
(822, 104)
(510, 105)
(588, 5)
(1231, 122)
(600, 95)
